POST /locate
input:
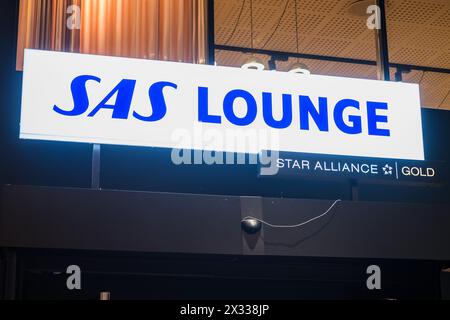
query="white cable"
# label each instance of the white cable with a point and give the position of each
(295, 225)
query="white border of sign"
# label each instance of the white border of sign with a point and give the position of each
(47, 82)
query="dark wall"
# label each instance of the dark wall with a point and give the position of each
(27, 162)
(104, 220)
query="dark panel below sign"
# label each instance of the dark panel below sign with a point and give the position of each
(56, 218)
(358, 229)
(119, 220)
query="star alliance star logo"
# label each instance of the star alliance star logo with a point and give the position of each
(387, 169)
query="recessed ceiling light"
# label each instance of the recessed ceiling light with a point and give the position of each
(299, 68)
(254, 64)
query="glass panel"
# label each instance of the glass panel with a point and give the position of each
(324, 27)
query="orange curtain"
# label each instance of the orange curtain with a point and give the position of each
(43, 25)
(149, 29)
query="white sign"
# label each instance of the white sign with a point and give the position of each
(112, 100)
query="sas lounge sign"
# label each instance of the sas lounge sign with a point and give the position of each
(111, 100)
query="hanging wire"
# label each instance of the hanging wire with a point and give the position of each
(421, 78)
(301, 224)
(237, 22)
(296, 30)
(445, 98)
(296, 27)
(251, 23)
(277, 26)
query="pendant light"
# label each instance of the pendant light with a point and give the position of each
(298, 67)
(253, 63)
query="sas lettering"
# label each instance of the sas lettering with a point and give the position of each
(121, 109)
(314, 113)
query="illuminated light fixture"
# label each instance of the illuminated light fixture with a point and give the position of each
(299, 68)
(253, 64)
(251, 225)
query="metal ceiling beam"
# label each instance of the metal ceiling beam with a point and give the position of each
(327, 58)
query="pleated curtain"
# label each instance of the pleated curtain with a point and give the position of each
(174, 30)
